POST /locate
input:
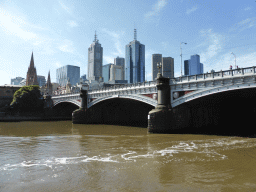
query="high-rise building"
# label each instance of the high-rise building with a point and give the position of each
(119, 61)
(106, 72)
(16, 81)
(95, 55)
(156, 58)
(31, 74)
(135, 61)
(186, 67)
(116, 72)
(193, 65)
(68, 71)
(83, 77)
(41, 80)
(168, 67)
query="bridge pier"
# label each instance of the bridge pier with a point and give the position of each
(78, 116)
(160, 118)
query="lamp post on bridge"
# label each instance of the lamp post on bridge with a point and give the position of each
(235, 58)
(159, 66)
(181, 58)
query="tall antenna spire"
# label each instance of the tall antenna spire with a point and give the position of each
(95, 37)
(135, 35)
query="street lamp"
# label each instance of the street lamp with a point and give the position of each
(159, 66)
(181, 58)
(235, 58)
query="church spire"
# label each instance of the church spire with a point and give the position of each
(49, 85)
(32, 61)
(31, 74)
(49, 79)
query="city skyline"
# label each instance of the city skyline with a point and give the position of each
(60, 32)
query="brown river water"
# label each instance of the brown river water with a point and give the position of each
(60, 156)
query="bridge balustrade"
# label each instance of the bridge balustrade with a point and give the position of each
(219, 74)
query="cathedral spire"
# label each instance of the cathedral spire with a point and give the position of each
(49, 85)
(31, 74)
(32, 61)
(49, 79)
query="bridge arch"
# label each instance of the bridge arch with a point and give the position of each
(75, 102)
(140, 98)
(229, 112)
(211, 91)
(119, 111)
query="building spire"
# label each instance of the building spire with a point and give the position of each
(49, 78)
(135, 35)
(95, 37)
(32, 61)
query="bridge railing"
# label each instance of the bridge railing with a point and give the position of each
(124, 87)
(219, 74)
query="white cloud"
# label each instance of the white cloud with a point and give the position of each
(245, 24)
(108, 59)
(67, 46)
(160, 4)
(72, 24)
(14, 25)
(66, 8)
(213, 44)
(116, 38)
(247, 8)
(58, 64)
(193, 9)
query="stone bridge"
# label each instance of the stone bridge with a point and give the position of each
(210, 103)
(182, 89)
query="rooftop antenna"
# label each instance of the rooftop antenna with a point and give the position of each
(135, 35)
(95, 37)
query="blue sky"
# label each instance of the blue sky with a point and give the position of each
(59, 32)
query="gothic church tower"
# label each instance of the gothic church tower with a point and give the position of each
(49, 85)
(31, 74)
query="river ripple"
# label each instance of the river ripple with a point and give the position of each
(59, 156)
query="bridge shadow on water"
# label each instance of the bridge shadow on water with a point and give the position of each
(64, 109)
(231, 113)
(120, 111)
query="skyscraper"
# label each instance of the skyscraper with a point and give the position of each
(168, 67)
(16, 81)
(193, 65)
(41, 80)
(31, 74)
(119, 61)
(95, 55)
(68, 71)
(156, 58)
(106, 72)
(135, 61)
(186, 67)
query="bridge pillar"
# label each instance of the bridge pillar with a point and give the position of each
(78, 116)
(159, 119)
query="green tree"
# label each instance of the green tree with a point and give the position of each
(27, 98)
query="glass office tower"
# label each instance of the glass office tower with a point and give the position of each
(135, 61)
(68, 71)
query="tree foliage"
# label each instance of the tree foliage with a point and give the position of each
(27, 98)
